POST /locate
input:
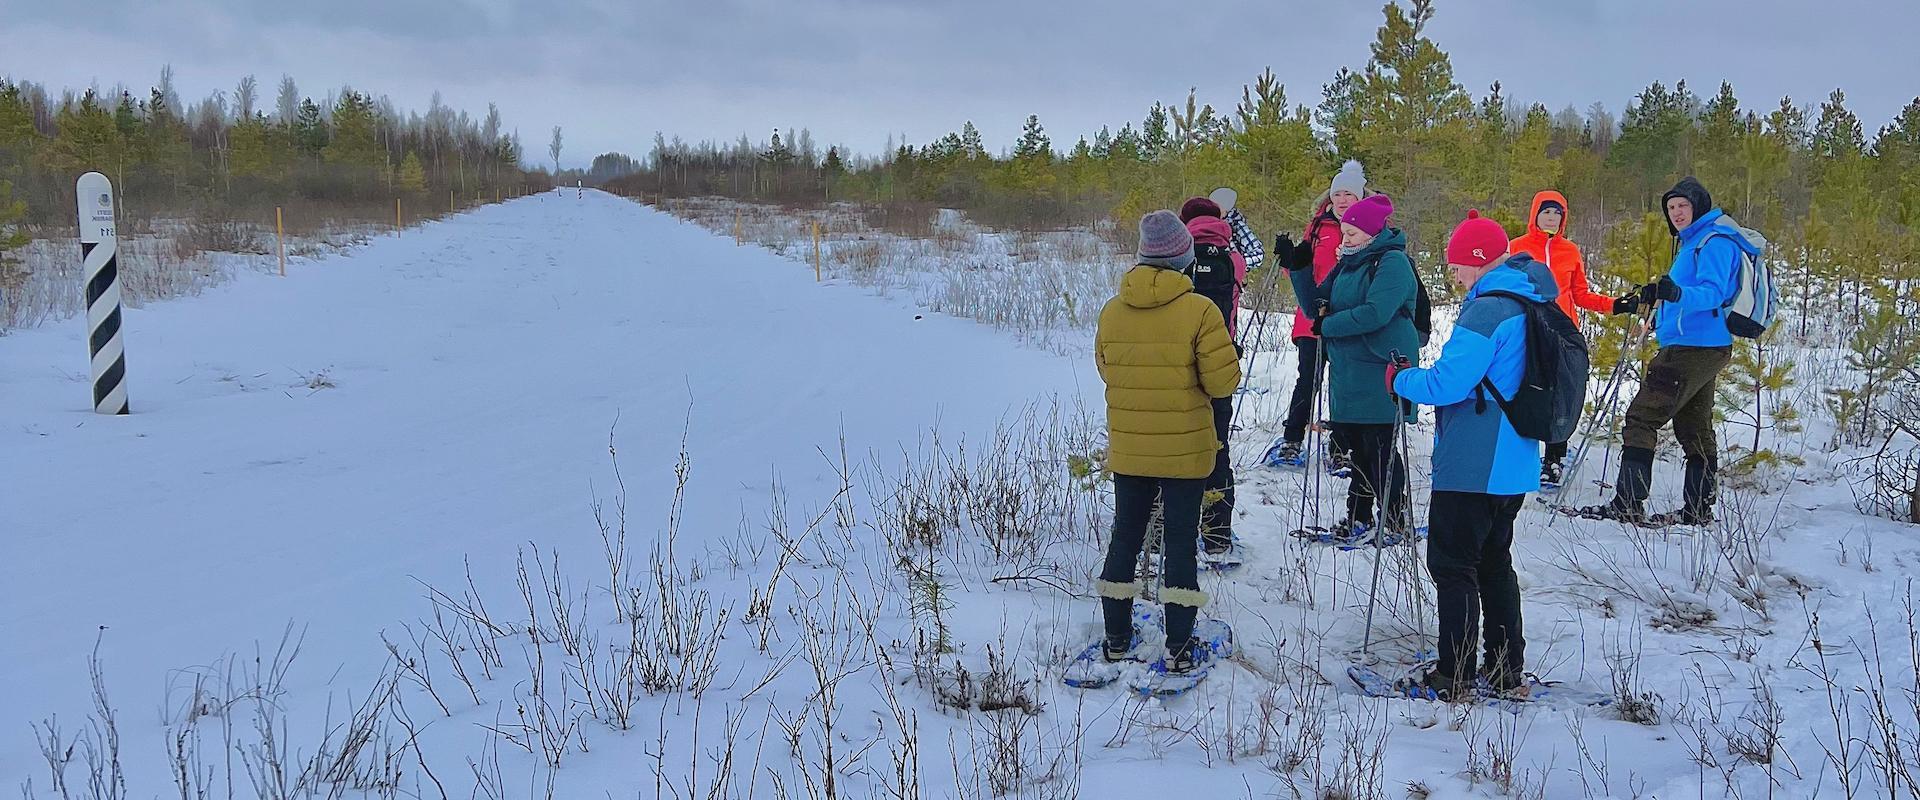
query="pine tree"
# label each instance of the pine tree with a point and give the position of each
(12, 213)
(971, 145)
(310, 128)
(1034, 144)
(1410, 115)
(86, 139)
(1154, 136)
(412, 178)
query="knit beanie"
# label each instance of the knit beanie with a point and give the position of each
(1369, 215)
(1476, 241)
(1199, 207)
(1164, 241)
(1553, 204)
(1352, 178)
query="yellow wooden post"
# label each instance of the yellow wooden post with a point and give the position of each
(396, 214)
(450, 201)
(736, 229)
(816, 252)
(280, 238)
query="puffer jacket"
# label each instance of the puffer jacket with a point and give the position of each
(1476, 449)
(1707, 270)
(1371, 298)
(1164, 354)
(1562, 258)
(1323, 234)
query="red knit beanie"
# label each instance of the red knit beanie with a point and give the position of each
(1369, 215)
(1476, 242)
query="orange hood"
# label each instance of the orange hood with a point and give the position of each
(1533, 214)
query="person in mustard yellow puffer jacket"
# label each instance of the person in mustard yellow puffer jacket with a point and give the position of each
(1165, 355)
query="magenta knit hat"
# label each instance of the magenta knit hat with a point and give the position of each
(1370, 215)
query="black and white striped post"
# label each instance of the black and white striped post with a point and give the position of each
(99, 250)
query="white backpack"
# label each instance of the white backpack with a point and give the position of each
(1750, 310)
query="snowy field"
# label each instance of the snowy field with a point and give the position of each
(565, 497)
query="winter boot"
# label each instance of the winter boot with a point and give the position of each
(1552, 472)
(1629, 502)
(1700, 491)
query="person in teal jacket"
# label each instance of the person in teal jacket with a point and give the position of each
(1688, 305)
(1365, 316)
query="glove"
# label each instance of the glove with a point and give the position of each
(1648, 294)
(1395, 363)
(1283, 251)
(1667, 290)
(1303, 254)
(1627, 303)
(1319, 315)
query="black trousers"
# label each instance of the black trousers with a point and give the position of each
(1376, 463)
(1470, 556)
(1216, 517)
(1556, 451)
(1306, 384)
(1133, 499)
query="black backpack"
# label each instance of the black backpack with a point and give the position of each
(1553, 388)
(1212, 274)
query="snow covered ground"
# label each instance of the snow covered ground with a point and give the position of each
(855, 550)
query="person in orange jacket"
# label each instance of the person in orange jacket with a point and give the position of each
(1546, 242)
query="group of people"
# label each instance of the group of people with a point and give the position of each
(1166, 350)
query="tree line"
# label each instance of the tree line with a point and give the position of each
(1808, 175)
(235, 151)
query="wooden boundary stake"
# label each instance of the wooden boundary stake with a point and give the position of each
(280, 239)
(396, 214)
(816, 252)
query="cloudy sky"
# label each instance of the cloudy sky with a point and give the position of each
(612, 72)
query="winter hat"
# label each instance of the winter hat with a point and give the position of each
(1690, 188)
(1476, 241)
(1352, 178)
(1553, 204)
(1164, 241)
(1369, 215)
(1199, 207)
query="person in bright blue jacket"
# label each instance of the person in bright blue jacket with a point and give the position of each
(1482, 468)
(1688, 305)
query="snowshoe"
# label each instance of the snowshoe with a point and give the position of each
(1680, 518)
(1174, 674)
(1367, 537)
(1411, 686)
(1101, 664)
(1611, 512)
(1285, 454)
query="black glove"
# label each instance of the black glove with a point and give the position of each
(1667, 290)
(1647, 294)
(1303, 254)
(1627, 303)
(1285, 252)
(1319, 315)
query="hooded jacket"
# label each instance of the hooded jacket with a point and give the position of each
(1164, 354)
(1216, 231)
(1370, 316)
(1706, 267)
(1561, 257)
(1323, 233)
(1475, 448)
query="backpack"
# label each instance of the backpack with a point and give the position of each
(1212, 274)
(1553, 388)
(1422, 314)
(1749, 311)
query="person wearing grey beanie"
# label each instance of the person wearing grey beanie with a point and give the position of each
(1165, 355)
(1165, 241)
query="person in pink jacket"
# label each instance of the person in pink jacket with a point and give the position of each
(1309, 262)
(1218, 271)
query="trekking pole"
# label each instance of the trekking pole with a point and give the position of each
(1382, 498)
(1607, 413)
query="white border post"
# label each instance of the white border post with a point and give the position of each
(99, 251)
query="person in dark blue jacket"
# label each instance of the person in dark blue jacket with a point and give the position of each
(1690, 322)
(1482, 468)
